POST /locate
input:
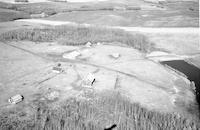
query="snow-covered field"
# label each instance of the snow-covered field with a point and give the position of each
(46, 22)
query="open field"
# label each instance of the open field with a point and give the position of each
(150, 16)
(49, 51)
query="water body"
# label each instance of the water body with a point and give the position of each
(191, 71)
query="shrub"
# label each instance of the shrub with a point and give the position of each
(78, 35)
(21, 0)
(97, 113)
(133, 8)
(7, 6)
(10, 15)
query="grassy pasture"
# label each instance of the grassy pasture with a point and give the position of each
(178, 14)
(57, 7)
(175, 14)
(9, 15)
(79, 35)
(95, 113)
(18, 11)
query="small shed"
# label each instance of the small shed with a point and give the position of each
(89, 80)
(115, 55)
(15, 99)
(88, 44)
(71, 55)
(57, 69)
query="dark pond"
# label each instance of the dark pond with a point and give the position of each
(191, 71)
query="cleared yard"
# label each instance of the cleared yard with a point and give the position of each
(128, 75)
